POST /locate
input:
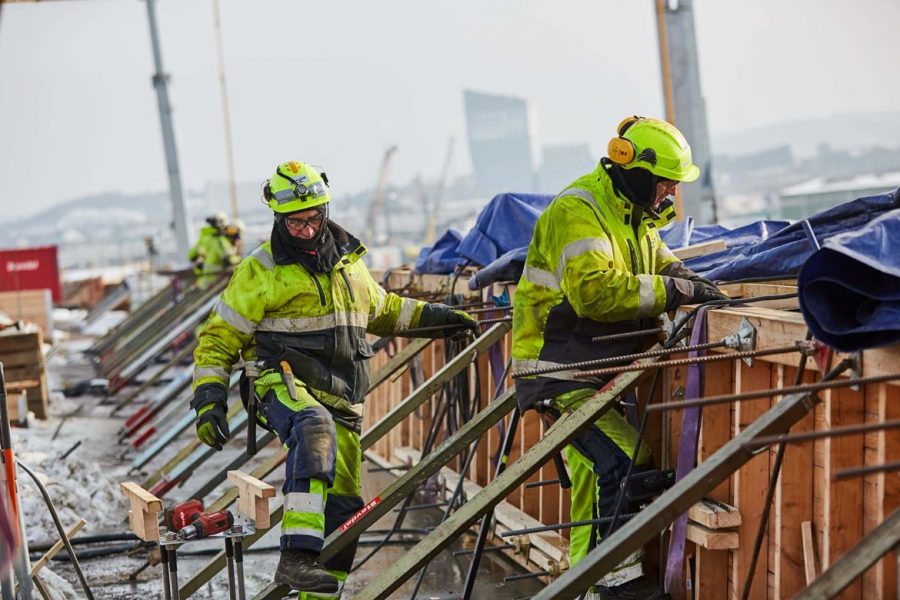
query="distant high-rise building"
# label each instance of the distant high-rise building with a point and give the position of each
(499, 132)
(561, 164)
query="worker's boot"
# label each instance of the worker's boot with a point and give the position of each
(636, 589)
(301, 570)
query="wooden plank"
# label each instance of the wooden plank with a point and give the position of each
(31, 306)
(54, 550)
(699, 249)
(715, 518)
(711, 568)
(843, 500)
(793, 502)
(712, 539)
(810, 570)
(751, 480)
(253, 496)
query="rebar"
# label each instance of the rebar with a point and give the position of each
(628, 335)
(620, 359)
(756, 394)
(797, 347)
(807, 436)
(870, 470)
(535, 484)
(566, 525)
(521, 576)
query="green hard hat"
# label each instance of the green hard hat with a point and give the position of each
(654, 145)
(296, 186)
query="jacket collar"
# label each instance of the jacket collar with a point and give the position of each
(625, 210)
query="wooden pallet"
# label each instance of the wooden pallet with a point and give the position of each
(22, 356)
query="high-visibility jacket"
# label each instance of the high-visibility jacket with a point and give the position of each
(211, 255)
(590, 271)
(316, 321)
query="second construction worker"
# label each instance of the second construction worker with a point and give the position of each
(299, 308)
(596, 265)
(213, 254)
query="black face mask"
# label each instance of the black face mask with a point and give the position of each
(637, 184)
(318, 254)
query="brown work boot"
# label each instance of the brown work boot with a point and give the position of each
(301, 570)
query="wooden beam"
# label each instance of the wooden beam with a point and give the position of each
(142, 517)
(712, 539)
(699, 249)
(715, 517)
(810, 568)
(253, 497)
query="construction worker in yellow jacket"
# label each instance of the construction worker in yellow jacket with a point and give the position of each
(213, 253)
(305, 299)
(596, 265)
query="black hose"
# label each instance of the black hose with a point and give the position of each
(105, 551)
(59, 528)
(88, 539)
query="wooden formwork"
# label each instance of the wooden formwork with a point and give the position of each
(22, 355)
(838, 512)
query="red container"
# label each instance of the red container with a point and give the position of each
(30, 269)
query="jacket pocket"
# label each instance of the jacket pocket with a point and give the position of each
(364, 349)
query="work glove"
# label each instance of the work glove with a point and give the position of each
(678, 270)
(458, 323)
(211, 403)
(706, 292)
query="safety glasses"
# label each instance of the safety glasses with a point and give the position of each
(298, 224)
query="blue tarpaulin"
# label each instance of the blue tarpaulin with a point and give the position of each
(784, 253)
(442, 257)
(850, 289)
(505, 224)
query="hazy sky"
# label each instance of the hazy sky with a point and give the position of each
(336, 82)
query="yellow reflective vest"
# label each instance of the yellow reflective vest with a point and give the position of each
(590, 271)
(285, 312)
(212, 255)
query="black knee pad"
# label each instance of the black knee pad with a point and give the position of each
(315, 444)
(337, 510)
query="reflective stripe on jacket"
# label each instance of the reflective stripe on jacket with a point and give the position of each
(589, 272)
(322, 316)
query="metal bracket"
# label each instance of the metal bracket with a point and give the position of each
(743, 340)
(521, 544)
(856, 369)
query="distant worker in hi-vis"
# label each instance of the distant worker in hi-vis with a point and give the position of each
(596, 265)
(297, 310)
(213, 254)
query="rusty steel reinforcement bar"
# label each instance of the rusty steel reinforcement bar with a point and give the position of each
(625, 358)
(482, 322)
(808, 436)
(677, 499)
(419, 473)
(856, 561)
(869, 470)
(495, 491)
(756, 394)
(797, 347)
(459, 363)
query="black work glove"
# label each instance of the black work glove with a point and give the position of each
(211, 403)
(680, 271)
(457, 323)
(706, 292)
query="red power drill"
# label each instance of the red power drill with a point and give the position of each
(184, 513)
(207, 525)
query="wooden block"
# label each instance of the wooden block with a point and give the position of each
(712, 539)
(253, 498)
(142, 517)
(54, 550)
(713, 516)
(809, 552)
(699, 249)
(31, 306)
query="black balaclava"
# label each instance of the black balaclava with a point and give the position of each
(636, 184)
(319, 254)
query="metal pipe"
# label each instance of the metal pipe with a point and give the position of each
(794, 389)
(229, 567)
(619, 359)
(164, 561)
(797, 347)
(239, 566)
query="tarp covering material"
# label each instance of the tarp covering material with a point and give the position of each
(684, 233)
(850, 289)
(505, 224)
(784, 253)
(442, 257)
(508, 267)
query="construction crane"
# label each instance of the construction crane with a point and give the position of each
(431, 225)
(376, 205)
